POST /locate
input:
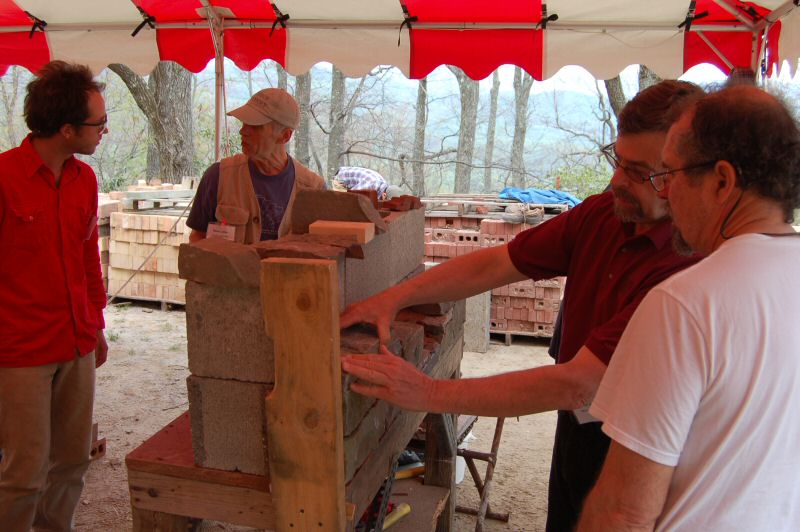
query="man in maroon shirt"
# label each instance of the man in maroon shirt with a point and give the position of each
(51, 301)
(613, 248)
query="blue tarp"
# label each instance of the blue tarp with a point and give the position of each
(538, 195)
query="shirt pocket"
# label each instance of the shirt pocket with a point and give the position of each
(28, 227)
(77, 222)
(234, 216)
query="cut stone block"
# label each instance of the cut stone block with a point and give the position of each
(432, 309)
(407, 341)
(388, 258)
(477, 324)
(219, 262)
(226, 335)
(363, 231)
(312, 205)
(228, 424)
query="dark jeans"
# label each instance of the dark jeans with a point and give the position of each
(578, 455)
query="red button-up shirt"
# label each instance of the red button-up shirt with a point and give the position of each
(51, 287)
(609, 270)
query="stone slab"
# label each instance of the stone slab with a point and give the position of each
(477, 324)
(228, 424)
(219, 262)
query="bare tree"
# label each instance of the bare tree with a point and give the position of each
(647, 77)
(418, 167)
(282, 77)
(522, 90)
(616, 96)
(302, 93)
(10, 91)
(469, 91)
(335, 121)
(489, 151)
(166, 101)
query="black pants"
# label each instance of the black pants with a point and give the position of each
(578, 455)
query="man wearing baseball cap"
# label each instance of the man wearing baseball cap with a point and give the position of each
(248, 197)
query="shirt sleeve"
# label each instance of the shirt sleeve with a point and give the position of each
(650, 393)
(204, 207)
(95, 291)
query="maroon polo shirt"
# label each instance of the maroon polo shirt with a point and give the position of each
(51, 287)
(609, 270)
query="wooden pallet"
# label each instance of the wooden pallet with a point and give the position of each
(508, 336)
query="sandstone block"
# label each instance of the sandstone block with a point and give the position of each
(219, 262)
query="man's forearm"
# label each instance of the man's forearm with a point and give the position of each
(458, 278)
(519, 393)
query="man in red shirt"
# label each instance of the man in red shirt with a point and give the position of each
(613, 248)
(51, 300)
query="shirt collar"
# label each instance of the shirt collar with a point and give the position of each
(660, 234)
(32, 162)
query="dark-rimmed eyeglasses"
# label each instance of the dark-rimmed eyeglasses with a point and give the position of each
(610, 153)
(101, 125)
(659, 180)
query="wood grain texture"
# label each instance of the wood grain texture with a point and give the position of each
(304, 411)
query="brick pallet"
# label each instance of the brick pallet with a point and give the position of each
(457, 225)
(134, 236)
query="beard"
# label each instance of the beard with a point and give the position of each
(627, 207)
(680, 245)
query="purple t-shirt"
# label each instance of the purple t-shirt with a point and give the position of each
(272, 192)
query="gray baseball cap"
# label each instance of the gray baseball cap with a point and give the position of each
(267, 105)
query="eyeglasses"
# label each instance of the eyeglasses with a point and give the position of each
(609, 152)
(659, 180)
(101, 125)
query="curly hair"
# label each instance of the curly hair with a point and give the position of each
(657, 107)
(58, 96)
(756, 133)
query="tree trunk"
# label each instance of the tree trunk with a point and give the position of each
(283, 82)
(615, 95)
(418, 154)
(166, 101)
(302, 93)
(522, 90)
(647, 78)
(335, 122)
(9, 95)
(469, 91)
(488, 156)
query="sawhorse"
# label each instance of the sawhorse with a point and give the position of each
(483, 485)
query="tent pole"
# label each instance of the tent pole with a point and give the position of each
(216, 25)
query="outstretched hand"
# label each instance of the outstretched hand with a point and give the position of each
(389, 377)
(374, 310)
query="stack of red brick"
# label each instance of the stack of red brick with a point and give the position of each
(527, 307)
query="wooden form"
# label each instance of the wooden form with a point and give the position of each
(305, 414)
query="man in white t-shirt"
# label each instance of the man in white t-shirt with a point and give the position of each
(700, 398)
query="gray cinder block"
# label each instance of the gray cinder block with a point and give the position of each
(388, 258)
(228, 424)
(476, 327)
(226, 334)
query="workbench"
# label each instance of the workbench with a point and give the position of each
(305, 488)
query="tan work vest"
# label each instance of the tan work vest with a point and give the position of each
(236, 199)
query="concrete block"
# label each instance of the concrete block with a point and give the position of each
(388, 258)
(477, 324)
(228, 424)
(219, 262)
(226, 335)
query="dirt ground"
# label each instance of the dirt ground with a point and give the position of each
(142, 387)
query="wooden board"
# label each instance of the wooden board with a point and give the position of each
(427, 503)
(201, 499)
(300, 298)
(169, 452)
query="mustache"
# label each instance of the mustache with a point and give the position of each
(623, 194)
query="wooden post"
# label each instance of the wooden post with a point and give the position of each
(440, 464)
(304, 411)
